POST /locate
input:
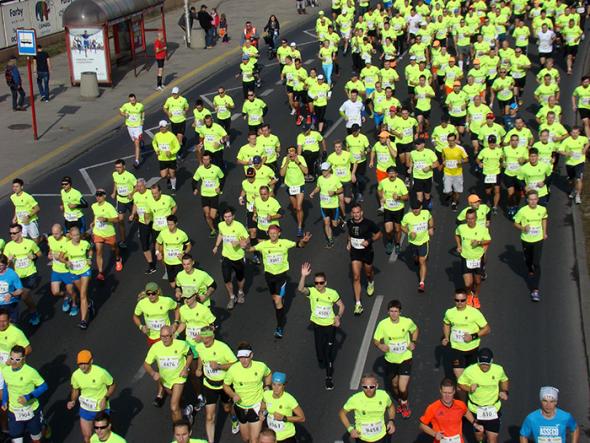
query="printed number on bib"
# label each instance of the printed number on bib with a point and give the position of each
(457, 335)
(371, 429)
(23, 262)
(398, 347)
(490, 178)
(473, 263)
(210, 372)
(453, 439)
(487, 413)
(534, 231)
(155, 325)
(323, 311)
(23, 414)
(78, 264)
(357, 243)
(274, 259)
(275, 425)
(451, 164)
(88, 403)
(193, 332)
(294, 190)
(420, 227)
(168, 362)
(160, 221)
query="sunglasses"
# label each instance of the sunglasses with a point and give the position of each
(101, 427)
(151, 293)
(165, 336)
(368, 386)
(14, 232)
(460, 300)
(319, 282)
(17, 359)
(65, 184)
(100, 194)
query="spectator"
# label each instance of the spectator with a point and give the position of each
(215, 22)
(15, 83)
(160, 50)
(206, 22)
(273, 30)
(223, 29)
(43, 67)
(191, 19)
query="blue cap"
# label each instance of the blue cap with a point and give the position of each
(245, 57)
(513, 105)
(279, 377)
(257, 159)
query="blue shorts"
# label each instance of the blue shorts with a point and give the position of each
(387, 5)
(61, 277)
(76, 277)
(90, 415)
(378, 118)
(18, 429)
(369, 91)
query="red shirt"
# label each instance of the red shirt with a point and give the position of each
(445, 419)
(159, 46)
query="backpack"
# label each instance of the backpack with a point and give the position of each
(9, 78)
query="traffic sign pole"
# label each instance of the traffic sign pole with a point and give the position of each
(32, 99)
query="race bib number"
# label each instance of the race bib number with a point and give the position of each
(473, 263)
(209, 184)
(534, 231)
(177, 112)
(164, 147)
(20, 215)
(576, 155)
(585, 101)
(100, 224)
(419, 165)
(371, 429)
(263, 221)
(193, 332)
(160, 221)
(513, 167)
(221, 109)
(88, 403)
(457, 335)
(383, 157)
(294, 190)
(393, 204)
(4, 286)
(357, 243)
(255, 118)
(341, 171)
(274, 259)
(4, 357)
(323, 311)
(487, 413)
(456, 109)
(407, 132)
(250, 206)
(398, 347)
(229, 239)
(168, 362)
(78, 264)
(325, 198)
(23, 414)
(453, 439)
(451, 164)
(23, 262)
(210, 138)
(122, 190)
(70, 216)
(420, 227)
(155, 325)
(133, 118)
(210, 372)
(172, 253)
(275, 425)
(490, 179)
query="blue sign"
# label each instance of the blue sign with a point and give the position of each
(26, 40)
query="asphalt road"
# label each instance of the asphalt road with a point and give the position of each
(537, 344)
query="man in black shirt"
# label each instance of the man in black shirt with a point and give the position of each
(206, 22)
(362, 233)
(42, 66)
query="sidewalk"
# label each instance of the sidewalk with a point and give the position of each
(68, 126)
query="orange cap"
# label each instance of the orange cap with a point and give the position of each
(84, 356)
(473, 198)
(476, 61)
(436, 43)
(452, 59)
(384, 134)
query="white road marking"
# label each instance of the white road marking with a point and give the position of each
(235, 116)
(311, 34)
(308, 62)
(88, 180)
(359, 366)
(152, 181)
(55, 195)
(165, 276)
(333, 127)
(149, 133)
(226, 90)
(279, 82)
(206, 100)
(265, 93)
(138, 375)
(393, 257)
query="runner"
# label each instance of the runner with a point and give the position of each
(175, 107)
(329, 187)
(182, 432)
(212, 139)
(396, 337)
(103, 232)
(22, 254)
(26, 209)
(418, 224)
(92, 386)
(172, 244)
(173, 358)
(352, 111)
(309, 144)
(443, 418)
(133, 112)
(166, 146)
(515, 155)
(210, 176)
(199, 114)
(385, 152)
(534, 174)
(422, 162)
(72, 203)
(472, 240)
(549, 421)
(155, 310)
(581, 102)
(281, 410)
(463, 328)
(486, 385)
(245, 382)
(294, 170)
(453, 158)
(123, 188)
(275, 256)
(393, 194)
(369, 406)
(319, 93)
(253, 111)
(59, 272)
(234, 236)
(77, 256)
(575, 148)
(358, 146)
(489, 160)
(141, 213)
(194, 281)
(271, 146)
(341, 162)
(531, 220)
(223, 105)
(323, 318)
(22, 386)
(103, 428)
(403, 128)
(215, 358)
(10, 336)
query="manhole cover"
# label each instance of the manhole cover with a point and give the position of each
(19, 126)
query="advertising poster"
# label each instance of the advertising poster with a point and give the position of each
(87, 49)
(15, 15)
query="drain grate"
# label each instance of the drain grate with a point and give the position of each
(19, 126)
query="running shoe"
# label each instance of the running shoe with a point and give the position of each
(299, 232)
(370, 288)
(34, 319)
(235, 425)
(470, 300)
(158, 402)
(231, 303)
(476, 303)
(406, 411)
(241, 297)
(136, 164)
(66, 305)
(358, 309)
(150, 270)
(308, 120)
(100, 276)
(397, 249)
(212, 233)
(279, 333)
(329, 384)
(83, 325)
(330, 243)
(454, 206)
(535, 296)
(421, 287)
(389, 248)
(74, 311)
(255, 259)
(200, 403)
(577, 199)
(119, 265)
(293, 111)
(188, 411)
(122, 245)
(299, 120)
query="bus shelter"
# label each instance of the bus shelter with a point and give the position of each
(102, 32)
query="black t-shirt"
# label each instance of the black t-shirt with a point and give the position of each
(364, 230)
(204, 20)
(41, 60)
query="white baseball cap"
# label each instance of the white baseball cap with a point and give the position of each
(325, 166)
(320, 77)
(293, 44)
(175, 90)
(163, 124)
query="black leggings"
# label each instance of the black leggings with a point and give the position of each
(311, 158)
(324, 346)
(532, 257)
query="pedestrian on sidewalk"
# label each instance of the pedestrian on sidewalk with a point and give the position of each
(160, 51)
(215, 22)
(15, 83)
(206, 22)
(42, 64)
(191, 19)
(223, 29)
